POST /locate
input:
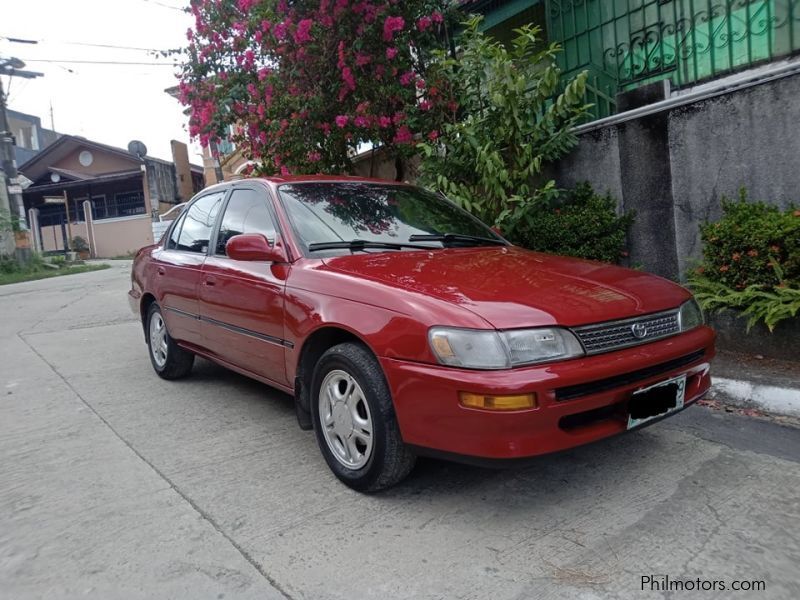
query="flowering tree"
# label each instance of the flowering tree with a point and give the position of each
(303, 84)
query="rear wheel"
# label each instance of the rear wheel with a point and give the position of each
(169, 360)
(355, 422)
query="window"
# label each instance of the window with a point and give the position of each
(198, 223)
(172, 244)
(246, 213)
(335, 212)
(127, 204)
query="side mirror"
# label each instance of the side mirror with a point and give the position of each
(253, 247)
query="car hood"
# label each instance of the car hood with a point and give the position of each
(510, 287)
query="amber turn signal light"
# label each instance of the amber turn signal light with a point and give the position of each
(512, 402)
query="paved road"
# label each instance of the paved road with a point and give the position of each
(116, 484)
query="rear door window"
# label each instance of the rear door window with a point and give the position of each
(198, 223)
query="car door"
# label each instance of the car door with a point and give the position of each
(178, 267)
(241, 302)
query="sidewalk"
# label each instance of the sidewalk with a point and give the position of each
(752, 382)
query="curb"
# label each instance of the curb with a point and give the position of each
(768, 398)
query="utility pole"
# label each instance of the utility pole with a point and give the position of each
(16, 207)
(12, 67)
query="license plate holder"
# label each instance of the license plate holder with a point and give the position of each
(656, 400)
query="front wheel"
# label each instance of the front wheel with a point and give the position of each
(169, 360)
(355, 422)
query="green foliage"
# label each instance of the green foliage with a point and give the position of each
(13, 272)
(577, 222)
(751, 262)
(758, 302)
(9, 221)
(744, 247)
(489, 155)
(79, 244)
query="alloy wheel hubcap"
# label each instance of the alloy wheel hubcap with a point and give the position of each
(158, 339)
(345, 419)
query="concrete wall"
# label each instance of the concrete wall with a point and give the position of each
(113, 237)
(674, 167)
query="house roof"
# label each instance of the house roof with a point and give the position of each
(40, 164)
(65, 185)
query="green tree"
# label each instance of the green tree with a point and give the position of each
(489, 155)
(303, 84)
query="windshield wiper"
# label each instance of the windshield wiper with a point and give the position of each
(363, 244)
(455, 237)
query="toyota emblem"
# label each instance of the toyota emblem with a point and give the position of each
(639, 330)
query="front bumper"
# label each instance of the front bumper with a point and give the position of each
(578, 401)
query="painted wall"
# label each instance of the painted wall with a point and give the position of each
(103, 162)
(674, 168)
(113, 237)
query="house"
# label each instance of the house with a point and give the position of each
(126, 191)
(30, 137)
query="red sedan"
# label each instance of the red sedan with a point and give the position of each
(403, 326)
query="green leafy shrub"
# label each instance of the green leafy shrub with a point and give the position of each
(576, 222)
(751, 262)
(751, 239)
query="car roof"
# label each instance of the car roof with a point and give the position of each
(279, 179)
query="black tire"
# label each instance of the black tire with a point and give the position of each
(178, 361)
(390, 460)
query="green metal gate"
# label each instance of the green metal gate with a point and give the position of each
(627, 43)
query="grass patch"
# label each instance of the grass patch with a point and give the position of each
(37, 271)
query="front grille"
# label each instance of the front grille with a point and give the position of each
(605, 337)
(603, 385)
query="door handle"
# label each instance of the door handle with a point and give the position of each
(161, 270)
(210, 281)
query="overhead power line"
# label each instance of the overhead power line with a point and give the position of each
(89, 44)
(166, 5)
(100, 62)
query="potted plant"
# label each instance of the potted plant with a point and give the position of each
(81, 247)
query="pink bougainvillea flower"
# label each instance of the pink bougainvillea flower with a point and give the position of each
(391, 52)
(433, 135)
(407, 77)
(392, 25)
(385, 122)
(303, 32)
(363, 59)
(403, 135)
(341, 121)
(437, 17)
(314, 157)
(361, 121)
(349, 78)
(424, 23)
(425, 105)
(420, 83)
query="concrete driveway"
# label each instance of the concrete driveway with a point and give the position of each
(116, 484)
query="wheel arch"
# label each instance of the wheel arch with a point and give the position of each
(144, 305)
(315, 345)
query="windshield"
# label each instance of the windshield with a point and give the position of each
(323, 212)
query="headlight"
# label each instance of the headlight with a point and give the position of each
(690, 315)
(481, 349)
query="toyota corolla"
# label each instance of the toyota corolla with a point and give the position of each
(403, 326)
